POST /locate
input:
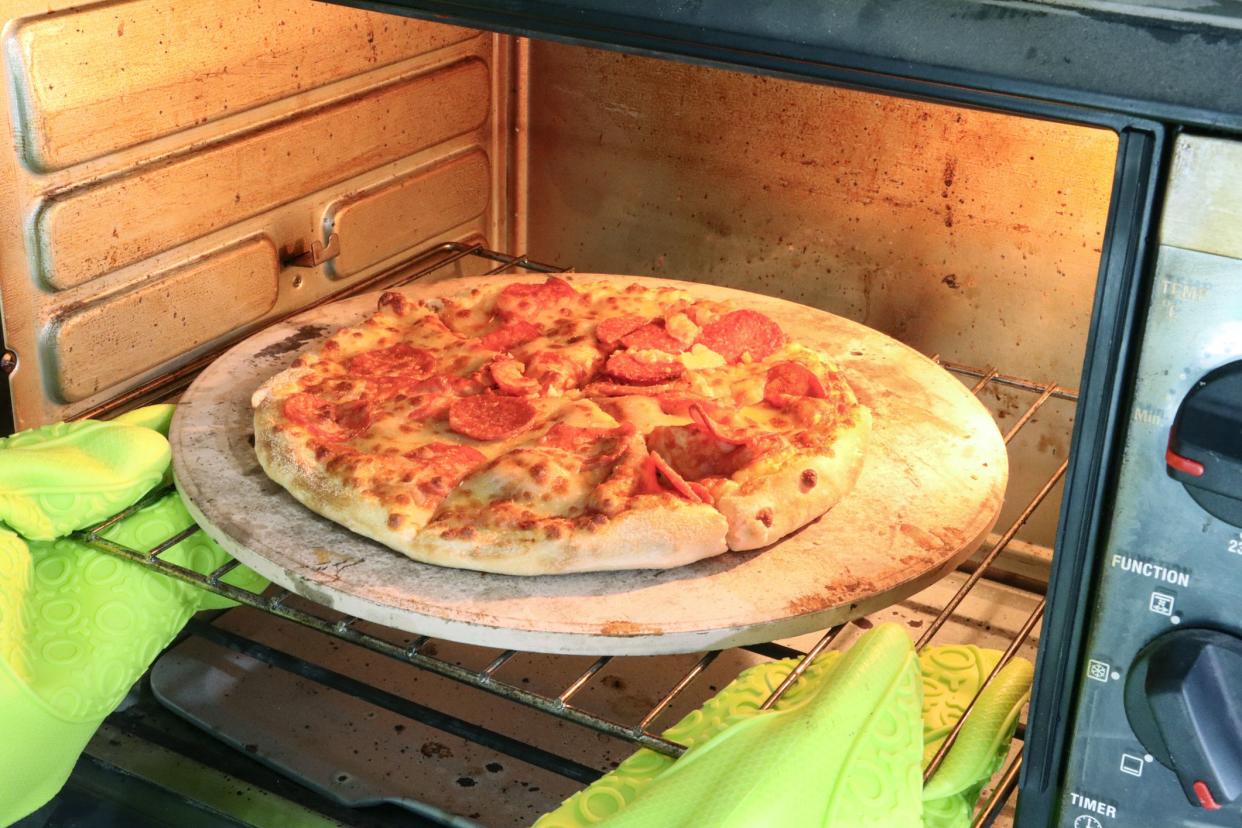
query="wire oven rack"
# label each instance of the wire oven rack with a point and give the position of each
(275, 600)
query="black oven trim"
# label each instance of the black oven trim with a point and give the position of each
(1127, 261)
(1128, 64)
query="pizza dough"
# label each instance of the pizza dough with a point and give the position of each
(567, 426)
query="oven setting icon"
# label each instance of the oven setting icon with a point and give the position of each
(1132, 764)
(1098, 670)
(1161, 603)
(1087, 821)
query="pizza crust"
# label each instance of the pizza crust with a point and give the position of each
(292, 464)
(677, 534)
(766, 508)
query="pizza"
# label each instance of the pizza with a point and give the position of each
(567, 425)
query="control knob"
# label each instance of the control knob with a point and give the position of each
(1183, 697)
(1205, 443)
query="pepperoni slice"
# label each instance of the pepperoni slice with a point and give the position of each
(788, 380)
(653, 336)
(740, 332)
(327, 421)
(510, 336)
(402, 358)
(654, 468)
(612, 329)
(707, 426)
(629, 368)
(490, 417)
(520, 298)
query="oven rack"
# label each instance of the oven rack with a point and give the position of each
(276, 600)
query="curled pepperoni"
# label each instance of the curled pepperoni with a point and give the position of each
(614, 389)
(629, 368)
(740, 332)
(510, 377)
(653, 336)
(612, 329)
(402, 358)
(510, 336)
(327, 421)
(654, 469)
(678, 405)
(788, 380)
(701, 490)
(707, 426)
(490, 417)
(523, 297)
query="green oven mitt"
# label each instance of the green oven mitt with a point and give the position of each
(844, 752)
(67, 476)
(951, 676)
(78, 627)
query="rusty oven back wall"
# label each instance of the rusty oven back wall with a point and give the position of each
(167, 155)
(965, 233)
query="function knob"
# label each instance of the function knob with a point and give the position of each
(1183, 700)
(1205, 443)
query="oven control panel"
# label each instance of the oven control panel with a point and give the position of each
(1157, 735)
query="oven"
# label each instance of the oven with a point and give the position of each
(1042, 197)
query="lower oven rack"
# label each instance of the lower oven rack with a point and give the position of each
(419, 654)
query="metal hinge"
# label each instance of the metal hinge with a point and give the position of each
(317, 255)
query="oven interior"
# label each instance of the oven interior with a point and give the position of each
(182, 174)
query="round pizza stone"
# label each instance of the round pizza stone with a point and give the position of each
(930, 490)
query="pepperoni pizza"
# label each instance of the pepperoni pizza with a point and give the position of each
(537, 428)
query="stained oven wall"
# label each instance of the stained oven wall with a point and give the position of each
(963, 233)
(167, 157)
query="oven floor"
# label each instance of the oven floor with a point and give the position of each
(424, 765)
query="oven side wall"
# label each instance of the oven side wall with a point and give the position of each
(964, 233)
(167, 160)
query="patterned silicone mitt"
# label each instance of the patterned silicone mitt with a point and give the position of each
(849, 756)
(78, 627)
(950, 677)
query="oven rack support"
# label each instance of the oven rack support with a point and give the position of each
(276, 600)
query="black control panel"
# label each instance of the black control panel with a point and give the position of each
(1157, 735)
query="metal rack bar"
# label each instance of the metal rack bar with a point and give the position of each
(275, 603)
(580, 682)
(1005, 658)
(1000, 794)
(684, 682)
(801, 666)
(993, 553)
(1029, 413)
(1009, 380)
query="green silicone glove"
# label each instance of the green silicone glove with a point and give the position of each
(63, 477)
(77, 626)
(951, 676)
(869, 712)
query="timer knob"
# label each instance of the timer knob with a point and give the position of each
(1205, 443)
(1182, 700)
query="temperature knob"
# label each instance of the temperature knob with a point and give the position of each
(1183, 704)
(1205, 443)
